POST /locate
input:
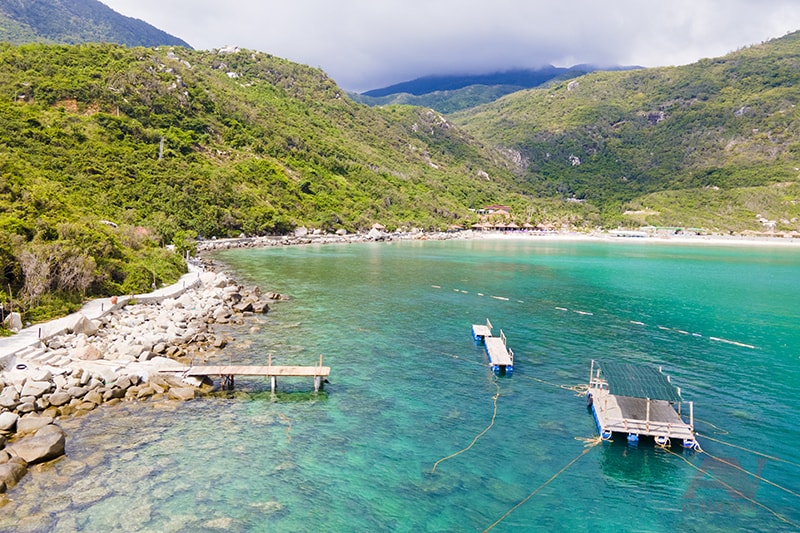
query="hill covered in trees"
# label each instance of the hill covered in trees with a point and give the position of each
(75, 21)
(108, 153)
(715, 144)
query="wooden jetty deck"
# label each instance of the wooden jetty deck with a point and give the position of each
(501, 358)
(226, 373)
(638, 401)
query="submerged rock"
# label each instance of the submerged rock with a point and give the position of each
(10, 474)
(47, 443)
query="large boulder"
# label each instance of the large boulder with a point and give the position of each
(13, 322)
(11, 472)
(47, 443)
(35, 388)
(86, 352)
(32, 424)
(57, 399)
(181, 393)
(9, 398)
(85, 326)
(8, 421)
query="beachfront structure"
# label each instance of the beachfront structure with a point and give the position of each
(638, 401)
(501, 358)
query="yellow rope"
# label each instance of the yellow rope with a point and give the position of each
(737, 467)
(591, 443)
(288, 427)
(737, 492)
(581, 389)
(772, 457)
(481, 434)
(719, 429)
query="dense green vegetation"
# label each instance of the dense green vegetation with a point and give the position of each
(109, 154)
(75, 21)
(612, 138)
(168, 144)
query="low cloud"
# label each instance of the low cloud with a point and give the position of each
(365, 44)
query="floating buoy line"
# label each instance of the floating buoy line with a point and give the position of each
(479, 435)
(581, 389)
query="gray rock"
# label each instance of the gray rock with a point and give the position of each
(11, 473)
(181, 393)
(113, 392)
(60, 398)
(75, 392)
(32, 424)
(48, 443)
(41, 374)
(123, 382)
(85, 326)
(87, 352)
(9, 398)
(42, 403)
(245, 306)
(27, 407)
(35, 388)
(220, 342)
(94, 396)
(13, 322)
(8, 421)
(260, 307)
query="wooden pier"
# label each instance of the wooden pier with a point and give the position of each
(638, 401)
(227, 373)
(501, 358)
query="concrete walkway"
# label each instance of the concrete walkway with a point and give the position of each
(31, 336)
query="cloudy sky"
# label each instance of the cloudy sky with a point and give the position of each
(367, 44)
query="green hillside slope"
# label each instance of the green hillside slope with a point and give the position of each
(75, 21)
(204, 143)
(700, 132)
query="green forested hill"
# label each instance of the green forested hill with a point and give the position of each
(213, 143)
(75, 21)
(713, 144)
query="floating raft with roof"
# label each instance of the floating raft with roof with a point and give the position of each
(501, 358)
(638, 401)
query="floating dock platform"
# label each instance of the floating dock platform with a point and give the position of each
(226, 373)
(638, 401)
(501, 358)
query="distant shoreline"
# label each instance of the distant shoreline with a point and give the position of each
(715, 240)
(294, 240)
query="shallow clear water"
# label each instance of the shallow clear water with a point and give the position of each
(409, 388)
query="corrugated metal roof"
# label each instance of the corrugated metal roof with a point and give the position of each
(625, 379)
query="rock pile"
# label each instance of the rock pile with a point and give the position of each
(318, 237)
(125, 355)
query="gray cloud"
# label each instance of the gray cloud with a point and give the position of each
(366, 44)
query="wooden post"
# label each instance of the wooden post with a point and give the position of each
(317, 383)
(273, 383)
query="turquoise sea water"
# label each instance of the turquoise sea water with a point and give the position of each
(410, 388)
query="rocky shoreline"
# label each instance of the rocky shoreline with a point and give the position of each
(302, 236)
(129, 353)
